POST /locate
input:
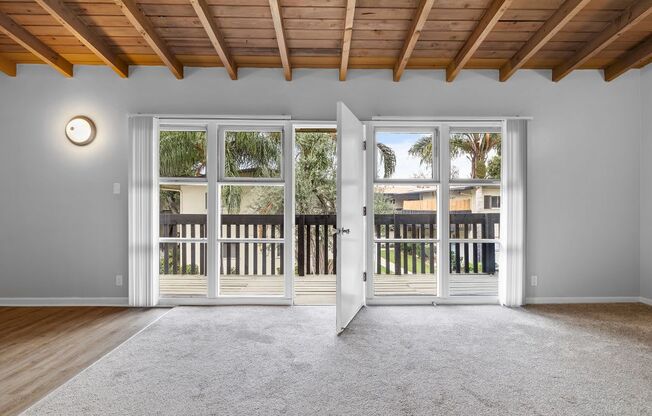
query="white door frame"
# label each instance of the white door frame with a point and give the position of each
(212, 124)
(294, 125)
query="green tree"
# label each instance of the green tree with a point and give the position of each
(387, 159)
(182, 154)
(476, 147)
(258, 154)
(383, 204)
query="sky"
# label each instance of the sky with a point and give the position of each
(408, 167)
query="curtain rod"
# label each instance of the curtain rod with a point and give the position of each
(410, 118)
(212, 116)
(288, 117)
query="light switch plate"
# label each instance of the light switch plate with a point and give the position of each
(118, 280)
(116, 188)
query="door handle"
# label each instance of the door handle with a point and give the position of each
(342, 231)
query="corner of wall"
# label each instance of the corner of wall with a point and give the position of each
(645, 214)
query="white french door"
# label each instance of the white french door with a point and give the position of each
(350, 295)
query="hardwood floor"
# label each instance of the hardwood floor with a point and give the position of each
(42, 348)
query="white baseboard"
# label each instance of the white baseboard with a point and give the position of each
(565, 299)
(646, 301)
(64, 301)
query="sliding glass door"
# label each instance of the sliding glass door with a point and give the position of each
(224, 231)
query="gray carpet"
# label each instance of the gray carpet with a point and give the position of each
(444, 360)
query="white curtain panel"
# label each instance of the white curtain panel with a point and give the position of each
(143, 253)
(512, 217)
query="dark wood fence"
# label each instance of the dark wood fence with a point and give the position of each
(183, 258)
(473, 258)
(316, 244)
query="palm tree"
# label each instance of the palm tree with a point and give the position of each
(386, 158)
(182, 154)
(258, 154)
(475, 146)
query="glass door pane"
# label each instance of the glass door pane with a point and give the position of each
(183, 190)
(251, 232)
(251, 211)
(405, 240)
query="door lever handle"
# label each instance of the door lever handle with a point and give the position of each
(342, 231)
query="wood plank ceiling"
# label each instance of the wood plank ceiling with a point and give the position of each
(506, 35)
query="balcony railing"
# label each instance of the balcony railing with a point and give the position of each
(316, 244)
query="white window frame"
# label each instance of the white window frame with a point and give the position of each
(214, 179)
(443, 211)
(212, 125)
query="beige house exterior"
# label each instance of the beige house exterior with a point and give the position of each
(474, 199)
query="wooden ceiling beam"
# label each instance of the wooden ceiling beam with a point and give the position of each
(550, 28)
(640, 54)
(34, 45)
(143, 25)
(203, 11)
(484, 27)
(7, 66)
(413, 36)
(85, 35)
(631, 16)
(280, 38)
(346, 40)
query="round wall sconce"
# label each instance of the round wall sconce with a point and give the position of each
(80, 130)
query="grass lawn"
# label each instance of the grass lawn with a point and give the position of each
(392, 254)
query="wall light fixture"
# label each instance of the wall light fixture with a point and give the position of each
(80, 130)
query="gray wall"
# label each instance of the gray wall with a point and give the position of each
(64, 234)
(646, 186)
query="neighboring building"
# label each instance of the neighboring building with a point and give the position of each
(475, 199)
(463, 198)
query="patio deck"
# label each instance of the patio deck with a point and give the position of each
(320, 289)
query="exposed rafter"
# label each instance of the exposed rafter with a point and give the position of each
(487, 23)
(7, 66)
(630, 17)
(413, 36)
(34, 45)
(208, 22)
(142, 24)
(346, 40)
(85, 35)
(280, 38)
(550, 28)
(640, 54)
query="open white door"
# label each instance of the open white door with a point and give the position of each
(350, 221)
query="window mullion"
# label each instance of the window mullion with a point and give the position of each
(212, 219)
(443, 217)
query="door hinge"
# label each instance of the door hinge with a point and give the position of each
(364, 276)
(364, 145)
(364, 211)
